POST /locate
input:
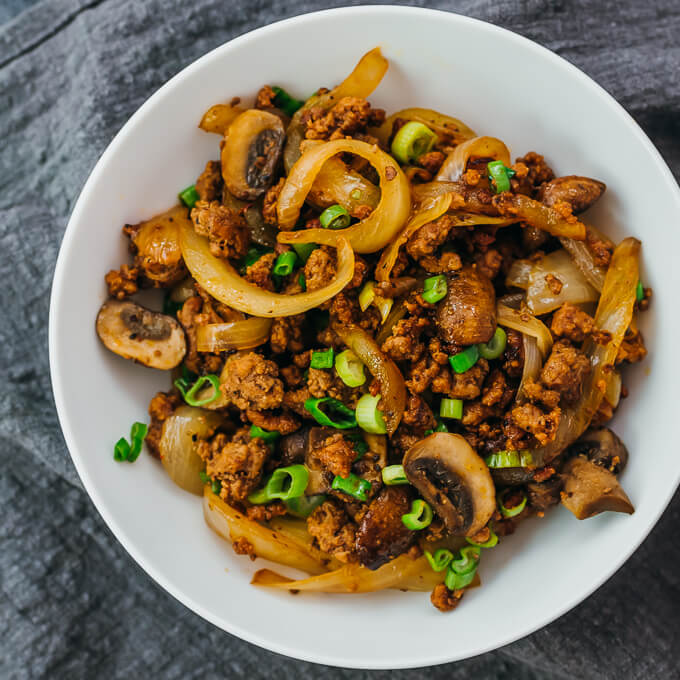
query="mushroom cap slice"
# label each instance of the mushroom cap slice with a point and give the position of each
(590, 489)
(137, 333)
(454, 480)
(603, 447)
(579, 192)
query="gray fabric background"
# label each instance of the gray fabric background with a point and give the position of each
(72, 603)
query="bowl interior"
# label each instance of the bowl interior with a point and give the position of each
(547, 106)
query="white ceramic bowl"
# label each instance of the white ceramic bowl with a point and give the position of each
(500, 84)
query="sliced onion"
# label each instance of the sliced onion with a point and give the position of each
(575, 289)
(296, 531)
(220, 337)
(222, 281)
(613, 392)
(524, 322)
(614, 314)
(365, 77)
(381, 367)
(231, 525)
(585, 261)
(518, 276)
(449, 130)
(532, 364)
(397, 313)
(219, 117)
(368, 235)
(477, 147)
(179, 440)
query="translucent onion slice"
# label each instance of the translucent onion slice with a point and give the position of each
(613, 392)
(179, 440)
(219, 117)
(532, 364)
(584, 260)
(477, 147)
(524, 322)
(220, 337)
(296, 531)
(222, 281)
(614, 314)
(368, 235)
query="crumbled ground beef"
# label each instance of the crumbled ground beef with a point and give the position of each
(270, 202)
(404, 343)
(320, 268)
(513, 356)
(418, 414)
(349, 116)
(161, 408)
(123, 282)
(263, 513)
(496, 390)
(565, 370)
(286, 334)
(333, 530)
(265, 98)
(445, 599)
(530, 418)
(430, 237)
(571, 322)
(283, 422)
(242, 546)
(337, 455)
(195, 313)
(466, 385)
(209, 183)
(253, 382)
(537, 172)
(632, 348)
(227, 230)
(537, 393)
(260, 272)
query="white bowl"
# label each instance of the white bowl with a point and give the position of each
(500, 84)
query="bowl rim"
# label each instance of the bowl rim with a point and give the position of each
(233, 627)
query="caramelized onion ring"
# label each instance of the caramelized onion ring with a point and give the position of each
(220, 337)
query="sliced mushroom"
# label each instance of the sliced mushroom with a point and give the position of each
(543, 495)
(381, 534)
(515, 476)
(454, 480)
(590, 489)
(137, 333)
(579, 192)
(603, 447)
(299, 447)
(467, 315)
(155, 243)
(251, 153)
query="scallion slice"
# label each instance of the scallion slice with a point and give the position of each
(509, 459)
(465, 360)
(440, 560)
(350, 369)
(285, 263)
(434, 288)
(451, 408)
(353, 486)
(500, 175)
(284, 484)
(322, 359)
(344, 416)
(420, 517)
(335, 217)
(189, 196)
(393, 475)
(368, 417)
(496, 346)
(413, 139)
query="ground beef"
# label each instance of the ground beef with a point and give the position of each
(474, 413)
(253, 382)
(360, 270)
(292, 376)
(632, 348)
(571, 322)
(466, 385)
(195, 312)
(404, 343)
(326, 383)
(349, 116)
(260, 272)
(431, 161)
(537, 393)
(320, 268)
(238, 463)
(530, 418)
(332, 530)
(265, 98)
(537, 172)
(489, 263)
(496, 391)
(209, 183)
(123, 282)
(337, 455)
(283, 422)
(403, 439)
(263, 513)
(418, 414)
(242, 546)
(161, 408)
(445, 599)
(226, 229)
(270, 202)
(513, 357)
(600, 248)
(421, 374)
(565, 370)
(430, 237)
(286, 334)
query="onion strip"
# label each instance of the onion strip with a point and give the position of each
(584, 260)
(524, 322)
(219, 117)
(479, 147)
(222, 281)
(220, 337)
(532, 364)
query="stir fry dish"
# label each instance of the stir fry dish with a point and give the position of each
(390, 344)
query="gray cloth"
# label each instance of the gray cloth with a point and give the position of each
(73, 603)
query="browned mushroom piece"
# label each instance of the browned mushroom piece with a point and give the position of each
(382, 535)
(543, 495)
(454, 480)
(579, 192)
(467, 315)
(603, 447)
(515, 476)
(300, 447)
(251, 153)
(137, 333)
(590, 489)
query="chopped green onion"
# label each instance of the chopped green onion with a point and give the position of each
(189, 394)
(467, 562)
(285, 263)
(322, 359)
(393, 475)
(137, 437)
(360, 445)
(368, 417)
(509, 459)
(355, 195)
(283, 484)
(412, 141)
(493, 540)
(302, 282)
(350, 369)
(454, 581)
(345, 417)
(252, 256)
(289, 105)
(496, 346)
(205, 477)
(189, 196)
(451, 408)
(216, 486)
(434, 288)
(500, 175)
(353, 486)
(441, 427)
(367, 295)
(269, 437)
(304, 250)
(420, 516)
(304, 506)
(121, 450)
(639, 292)
(514, 510)
(465, 360)
(170, 307)
(335, 217)
(440, 560)
(384, 306)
